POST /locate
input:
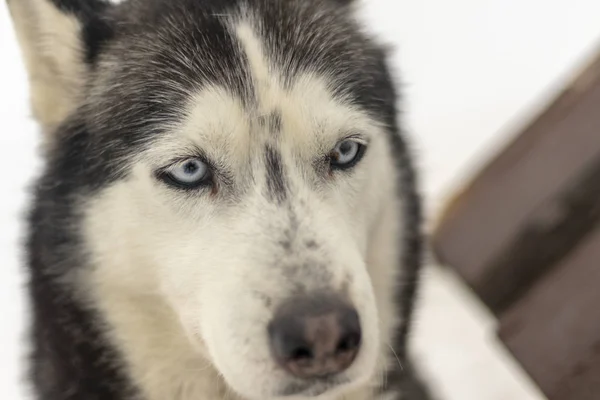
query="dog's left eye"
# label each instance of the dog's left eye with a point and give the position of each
(346, 154)
(187, 174)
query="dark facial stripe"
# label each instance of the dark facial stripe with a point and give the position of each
(271, 122)
(274, 122)
(276, 185)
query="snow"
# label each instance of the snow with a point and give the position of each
(473, 71)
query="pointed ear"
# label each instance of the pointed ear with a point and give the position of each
(59, 41)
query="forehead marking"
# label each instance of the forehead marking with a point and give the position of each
(272, 122)
(260, 71)
(276, 184)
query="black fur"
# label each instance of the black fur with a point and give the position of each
(412, 245)
(276, 183)
(128, 101)
(96, 29)
(274, 122)
(71, 359)
(271, 122)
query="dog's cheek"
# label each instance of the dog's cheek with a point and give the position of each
(184, 273)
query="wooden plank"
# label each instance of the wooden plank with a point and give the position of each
(554, 331)
(540, 244)
(491, 233)
(583, 384)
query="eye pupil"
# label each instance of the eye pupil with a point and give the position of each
(190, 167)
(346, 147)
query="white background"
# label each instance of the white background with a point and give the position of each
(472, 70)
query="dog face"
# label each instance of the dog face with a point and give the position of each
(238, 214)
(240, 196)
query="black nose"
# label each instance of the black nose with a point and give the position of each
(315, 336)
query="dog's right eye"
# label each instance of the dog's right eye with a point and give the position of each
(187, 174)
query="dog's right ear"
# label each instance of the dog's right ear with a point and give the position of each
(59, 40)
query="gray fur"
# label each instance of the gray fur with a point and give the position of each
(143, 60)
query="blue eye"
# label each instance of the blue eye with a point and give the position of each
(190, 173)
(346, 154)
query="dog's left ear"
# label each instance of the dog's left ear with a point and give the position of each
(59, 40)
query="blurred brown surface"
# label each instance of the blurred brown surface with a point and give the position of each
(554, 331)
(524, 234)
(516, 218)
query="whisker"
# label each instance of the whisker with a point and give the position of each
(397, 358)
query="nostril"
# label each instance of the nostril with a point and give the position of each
(348, 343)
(301, 354)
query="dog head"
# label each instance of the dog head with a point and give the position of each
(233, 168)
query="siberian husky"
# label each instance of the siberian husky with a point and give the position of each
(228, 209)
